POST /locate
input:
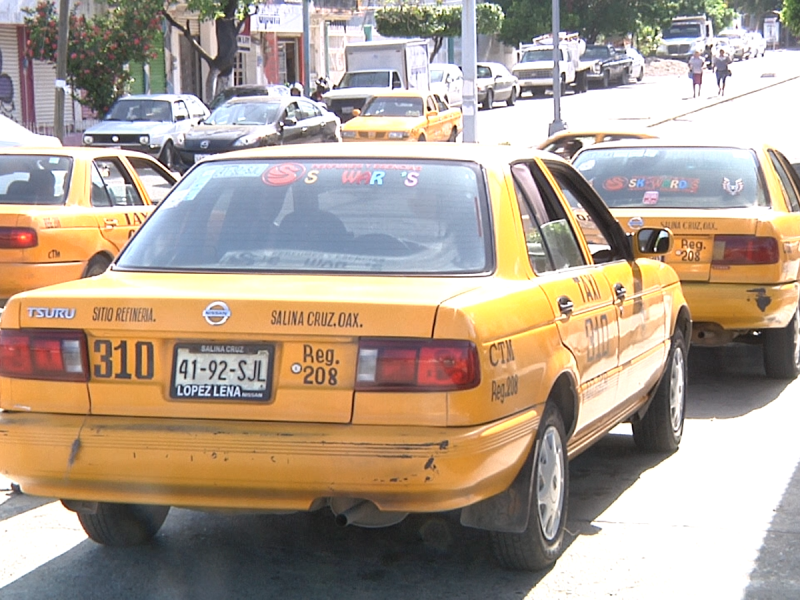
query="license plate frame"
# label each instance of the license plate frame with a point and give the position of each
(195, 383)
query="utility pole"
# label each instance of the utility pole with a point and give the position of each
(306, 49)
(469, 58)
(557, 124)
(61, 68)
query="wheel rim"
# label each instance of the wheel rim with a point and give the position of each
(550, 483)
(677, 389)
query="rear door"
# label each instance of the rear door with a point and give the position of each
(153, 180)
(117, 204)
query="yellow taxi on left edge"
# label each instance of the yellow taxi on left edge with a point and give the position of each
(404, 116)
(66, 212)
(371, 329)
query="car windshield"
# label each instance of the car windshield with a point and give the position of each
(34, 180)
(484, 72)
(140, 110)
(687, 30)
(365, 79)
(250, 113)
(410, 217)
(393, 107)
(593, 52)
(437, 75)
(674, 177)
(537, 55)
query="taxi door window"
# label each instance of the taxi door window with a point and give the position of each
(431, 105)
(442, 105)
(118, 183)
(554, 246)
(100, 195)
(787, 180)
(154, 178)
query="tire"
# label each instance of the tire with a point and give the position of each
(606, 79)
(453, 135)
(626, 77)
(123, 524)
(661, 427)
(641, 74)
(168, 157)
(488, 102)
(422, 138)
(540, 545)
(563, 86)
(583, 82)
(782, 350)
(512, 99)
(96, 266)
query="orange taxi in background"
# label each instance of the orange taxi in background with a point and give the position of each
(370, 329)
(405, 116)
(735, 213)
(66, 212)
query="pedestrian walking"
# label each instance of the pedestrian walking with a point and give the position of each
(696, 66)
(723, 70)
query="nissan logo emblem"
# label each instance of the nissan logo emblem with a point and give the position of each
(216, 313)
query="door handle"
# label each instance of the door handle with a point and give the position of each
(110, 223)
(565, 305)
(620, 291)
(304, 130)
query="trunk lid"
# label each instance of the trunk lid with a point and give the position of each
(261, 348)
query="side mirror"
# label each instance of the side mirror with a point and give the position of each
(433, 113)
(180, 117)
(498, 77)
(652, 241)
(289, 121)
(356, 112)
(397, 85)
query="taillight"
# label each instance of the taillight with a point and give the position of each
(417, 365)
(18, 237)
(744, 250)
(43, 354)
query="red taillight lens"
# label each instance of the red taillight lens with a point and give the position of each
(417, 365)
(18, 237)
(43, 354)
(744, 250)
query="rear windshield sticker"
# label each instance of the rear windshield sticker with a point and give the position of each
(588, 165)
(659, 183)
(650, 198)
(283, 174)
(735, 188)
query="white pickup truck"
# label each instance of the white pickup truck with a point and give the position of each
(535, 67)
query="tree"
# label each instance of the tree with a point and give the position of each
(99, 48)
(790, 15)
(435, 21)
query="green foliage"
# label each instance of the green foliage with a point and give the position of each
(790, 15)
(434, 21)
(98, 48)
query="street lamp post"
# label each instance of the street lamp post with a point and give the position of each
(61, 69)
(557, 124)
(469, 58)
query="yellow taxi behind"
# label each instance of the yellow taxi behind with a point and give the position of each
(567, 143)
(735, 212)
(404, 115)
(376, 330)
(66, 212)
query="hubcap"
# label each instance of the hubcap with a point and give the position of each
(677, 391)
(550, 483)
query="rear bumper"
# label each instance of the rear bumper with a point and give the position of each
(21, 277)
(261, 466)
(736, 306)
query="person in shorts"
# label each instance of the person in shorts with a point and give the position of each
(696, 66)
(721, 67)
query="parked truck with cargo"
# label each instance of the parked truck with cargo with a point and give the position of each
(373, 67)
(684, 36)
(534, 71)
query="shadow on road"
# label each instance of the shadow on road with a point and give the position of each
(13, 504)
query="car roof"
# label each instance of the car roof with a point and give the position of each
(721, 142)
(260, 99)
(86, 152)
(474, 152)
(169, 97)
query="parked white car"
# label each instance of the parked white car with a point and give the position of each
(736, 39)
(637, 68)
(756, 44)
(448, 81)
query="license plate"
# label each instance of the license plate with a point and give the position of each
(222, 371)
(199, 157)
(693, 250)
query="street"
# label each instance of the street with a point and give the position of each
(718, 519)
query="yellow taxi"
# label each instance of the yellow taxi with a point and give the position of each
(65, 213)
(567, 143)
(404, 115)
(374, 330)
(735, 212)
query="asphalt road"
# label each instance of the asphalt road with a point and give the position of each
(719, 519)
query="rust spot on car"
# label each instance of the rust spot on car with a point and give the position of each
(762, 300)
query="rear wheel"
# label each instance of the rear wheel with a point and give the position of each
(123, 524)
(96, 266)
(640, 76)
(606, 79)
(626, 77)
(168, 157)
(422, 138)
(542, 542)
(661, 427)
(453, 135)
(512, 99)
(782, 349)
(488, 102)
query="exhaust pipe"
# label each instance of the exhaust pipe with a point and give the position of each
(352, 515)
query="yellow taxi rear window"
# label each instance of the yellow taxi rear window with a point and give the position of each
(34, 179)
(675, 177)
(379, 216)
